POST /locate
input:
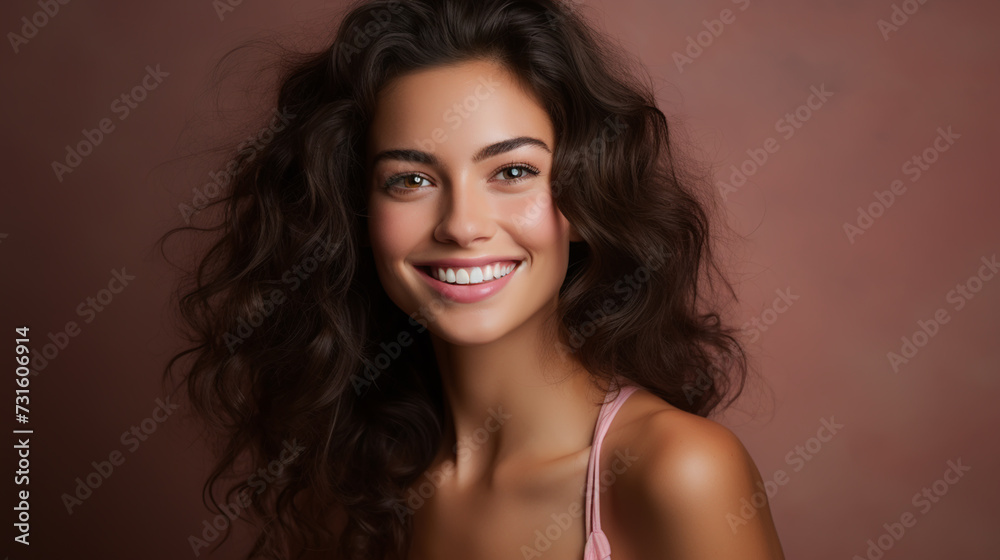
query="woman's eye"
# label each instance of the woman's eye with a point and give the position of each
(406, 182)
(515, 173)
(410, 181)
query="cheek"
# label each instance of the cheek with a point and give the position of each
(392, 230)
(536, 220)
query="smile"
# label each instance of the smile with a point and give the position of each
(473, 274)
(469, 284)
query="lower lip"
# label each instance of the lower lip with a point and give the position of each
(467, 293)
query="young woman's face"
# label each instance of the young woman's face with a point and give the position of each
(459, 159)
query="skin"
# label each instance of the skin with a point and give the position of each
(523, 416)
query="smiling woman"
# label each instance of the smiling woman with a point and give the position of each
(504, 352)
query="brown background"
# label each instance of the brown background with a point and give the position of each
(826, 356)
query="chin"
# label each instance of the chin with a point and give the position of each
(467, 331)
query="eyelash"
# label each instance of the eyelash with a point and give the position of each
(389, 184)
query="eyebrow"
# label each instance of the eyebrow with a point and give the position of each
(494, 149)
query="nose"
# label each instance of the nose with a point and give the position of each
(468, 214)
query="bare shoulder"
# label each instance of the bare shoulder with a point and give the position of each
(683, 455)
(682, 447)
(685, 495)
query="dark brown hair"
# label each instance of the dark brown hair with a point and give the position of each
(293, 337)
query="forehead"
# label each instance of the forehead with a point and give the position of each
(453, 110)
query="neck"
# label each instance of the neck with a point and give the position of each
(517, 400)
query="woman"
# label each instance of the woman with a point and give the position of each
(466, 282)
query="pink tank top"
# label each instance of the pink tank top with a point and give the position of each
(597, 547)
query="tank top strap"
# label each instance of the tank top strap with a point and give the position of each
(597, 546)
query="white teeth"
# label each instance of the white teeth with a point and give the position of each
(472, 275)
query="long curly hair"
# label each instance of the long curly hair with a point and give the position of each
(293, 338)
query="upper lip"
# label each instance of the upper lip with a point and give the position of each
(466, 263)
